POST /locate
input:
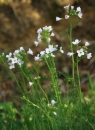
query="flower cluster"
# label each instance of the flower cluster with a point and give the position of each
(48, 52)
(71, 12)
(17, 57)
(52, 106)
(82, 51)
(44, 34)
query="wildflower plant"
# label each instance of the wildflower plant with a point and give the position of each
(41, 112)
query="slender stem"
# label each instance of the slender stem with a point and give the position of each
(71, 48)
(80, 95)
(79, 87)
(42, 90)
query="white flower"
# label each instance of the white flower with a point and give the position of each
(69, 54)
(20, 62)
(56, 45)
(87, 44)
(37, 58)
(39, 30)
(72, 7)
(54, 113)
(30, 83)
(39, 37)
(48, 104)
(52, 34)
(80, 15)
(80, 52)
(61, 50)
(67, 7)
(58, 18)
(79, 12)
(53, 102)
(11, 66)
(52, 55)
(76, 42)
(78, 9)
(9, 56)
(30, 52)
(21, 49)
(50, 49)
(16, 52)
(49, 28)
(47, 50)
(66, 16)
(42, 53)
(36, 43)
(3, 54)
(89, 55)
(45, 28)
(14, 60)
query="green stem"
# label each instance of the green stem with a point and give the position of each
(54, 80)
(79, 86)
(71, 48)
(42, 90)
(80, 95)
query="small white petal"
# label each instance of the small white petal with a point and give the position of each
(61, 50)
(11, 66)
(52, 55)
(89, 55)
(3, 54)
(16, 52)
(53, 102)
(80, 52)
(87, 44)
(36, 43)
(14, 60)
(48, 105)
(9, 56)
(58, 18)
(37, 58)
(21, 49)
(30, 83)
(76, 42)
(30, 52)
(78, 9)
(52, 34)
(66, 16)
(72, 7)
(55, 113)
(67, 7)
(42, 53)
(80, 15)
(39, 30)
(69, 54)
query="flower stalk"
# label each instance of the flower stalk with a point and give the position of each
(71, 48)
